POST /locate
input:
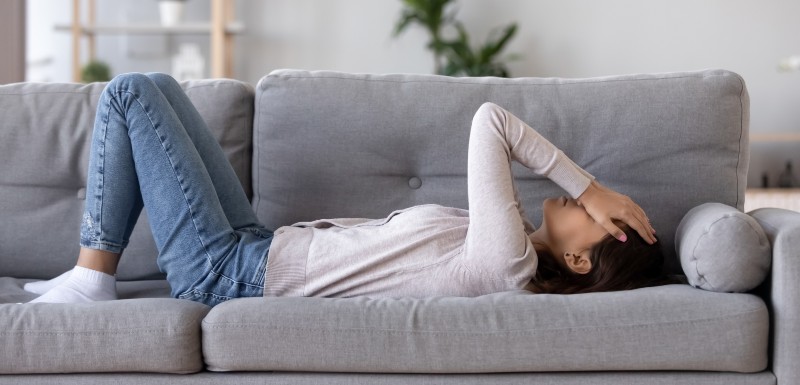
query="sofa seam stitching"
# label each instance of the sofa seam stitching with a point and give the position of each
(741, 134)
(577, 81)
(95, 332)
(207, 324)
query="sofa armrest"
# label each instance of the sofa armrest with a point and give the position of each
(783, 289)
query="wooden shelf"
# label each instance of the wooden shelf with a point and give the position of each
(775, 137)
(152, 29)
(785, 198)
(220, 30)
(774, 190)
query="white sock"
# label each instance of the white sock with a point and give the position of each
(82, 285)
(41, 287)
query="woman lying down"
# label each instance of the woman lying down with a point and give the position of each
(151, 149)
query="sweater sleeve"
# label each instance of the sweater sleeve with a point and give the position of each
(497, 243)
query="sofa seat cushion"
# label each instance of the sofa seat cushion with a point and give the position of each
(672, 327)
(133, 334)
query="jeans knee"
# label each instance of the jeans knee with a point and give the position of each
(162, 80)
(128, 78)
(131, 81)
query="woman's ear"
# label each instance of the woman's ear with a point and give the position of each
(579, 263)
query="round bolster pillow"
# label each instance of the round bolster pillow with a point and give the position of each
(722, 249)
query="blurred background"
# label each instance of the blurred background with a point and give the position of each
(246, 39)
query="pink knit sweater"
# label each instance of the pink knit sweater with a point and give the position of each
(432, 250)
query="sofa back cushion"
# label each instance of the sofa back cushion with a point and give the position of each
(45, 133)
(330, 144)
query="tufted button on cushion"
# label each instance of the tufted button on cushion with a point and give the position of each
(414, 182)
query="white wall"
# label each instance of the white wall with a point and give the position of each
(46, 52)
(564, 38)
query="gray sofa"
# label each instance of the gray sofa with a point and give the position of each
(322, 144)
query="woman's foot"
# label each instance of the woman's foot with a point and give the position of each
(82, 285)
(41, 287)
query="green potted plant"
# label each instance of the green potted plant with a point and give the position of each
(463, 60)
(459, 56)
(95, 71)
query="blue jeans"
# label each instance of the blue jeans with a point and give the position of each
(151, 149)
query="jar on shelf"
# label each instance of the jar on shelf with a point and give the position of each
(786, 179)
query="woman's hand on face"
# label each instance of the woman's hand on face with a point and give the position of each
(604, 204)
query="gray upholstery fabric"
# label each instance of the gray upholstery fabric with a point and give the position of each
(11, 290)
(783, 230)
(44, 149)
(330, 144)
(672, 327)
(722, 249)
(146, 331)
(303, 378)
(227, 108)
(130, 335)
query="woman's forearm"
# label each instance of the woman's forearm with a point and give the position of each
(497, 241)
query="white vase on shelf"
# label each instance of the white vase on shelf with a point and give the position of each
(171, 11)
(188, 63)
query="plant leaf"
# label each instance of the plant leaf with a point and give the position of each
(491, 49)
(460, 59)
(405, 19)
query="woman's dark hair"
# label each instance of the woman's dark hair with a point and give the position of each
(616, 266)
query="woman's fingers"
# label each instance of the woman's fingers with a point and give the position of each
(643, 230)
(614, 230)
(642, 225)
(634, 216)
(604, 204)
(647, 220)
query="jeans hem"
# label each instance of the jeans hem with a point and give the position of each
(99, 245)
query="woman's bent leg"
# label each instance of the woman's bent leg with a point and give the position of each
(229, 190)
(142, 155)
